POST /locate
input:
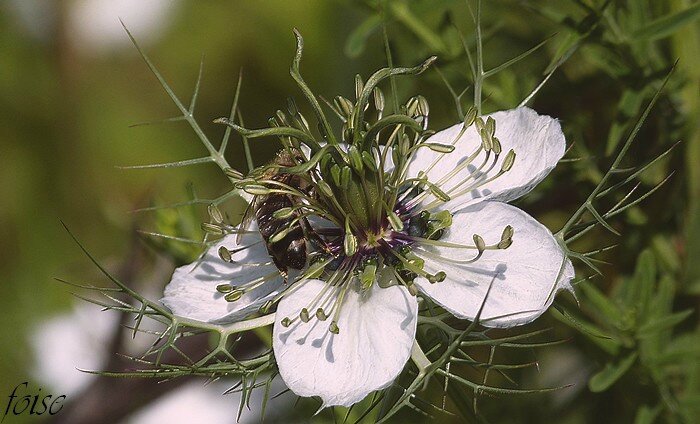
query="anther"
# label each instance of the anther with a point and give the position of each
(215, 214)
(224, 288)
(440, 148)
(479, 122)
(508, 161)
(321, 315)
(304, 315)
(333, 328)
(437, 278)
(212, 228)
(283, 213)
(479, 243)
(486, 139)
(497, 148)
(257, 190)
(234, 295)
(469, 117)
(506, 238)
(490, 126)
(286, 322)
(423, 106)
(225, 254)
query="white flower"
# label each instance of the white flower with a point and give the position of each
(347, 327)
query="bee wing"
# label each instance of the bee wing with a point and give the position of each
(248, 216)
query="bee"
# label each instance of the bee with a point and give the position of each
(290, 251)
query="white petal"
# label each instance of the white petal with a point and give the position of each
(526, 276)
(537, 141)
(192, 291)
(377, 329)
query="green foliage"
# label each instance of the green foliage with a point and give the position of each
(640, 321)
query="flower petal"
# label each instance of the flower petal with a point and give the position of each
(524, 278)
(377, 329)
(537, 141)
(192, 292)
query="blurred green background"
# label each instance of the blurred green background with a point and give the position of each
(71, 84)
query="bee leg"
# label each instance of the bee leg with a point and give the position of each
(282, 268)
(313, 237)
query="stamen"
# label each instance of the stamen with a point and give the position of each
(224, 288)
(234, 295)
(237, 292)
(410, 285)
(226, 255)
(506, 238)
(411, 265)
(212, 229)
(469, 119)
(333, 328)
(215, 214)
(321, 315)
